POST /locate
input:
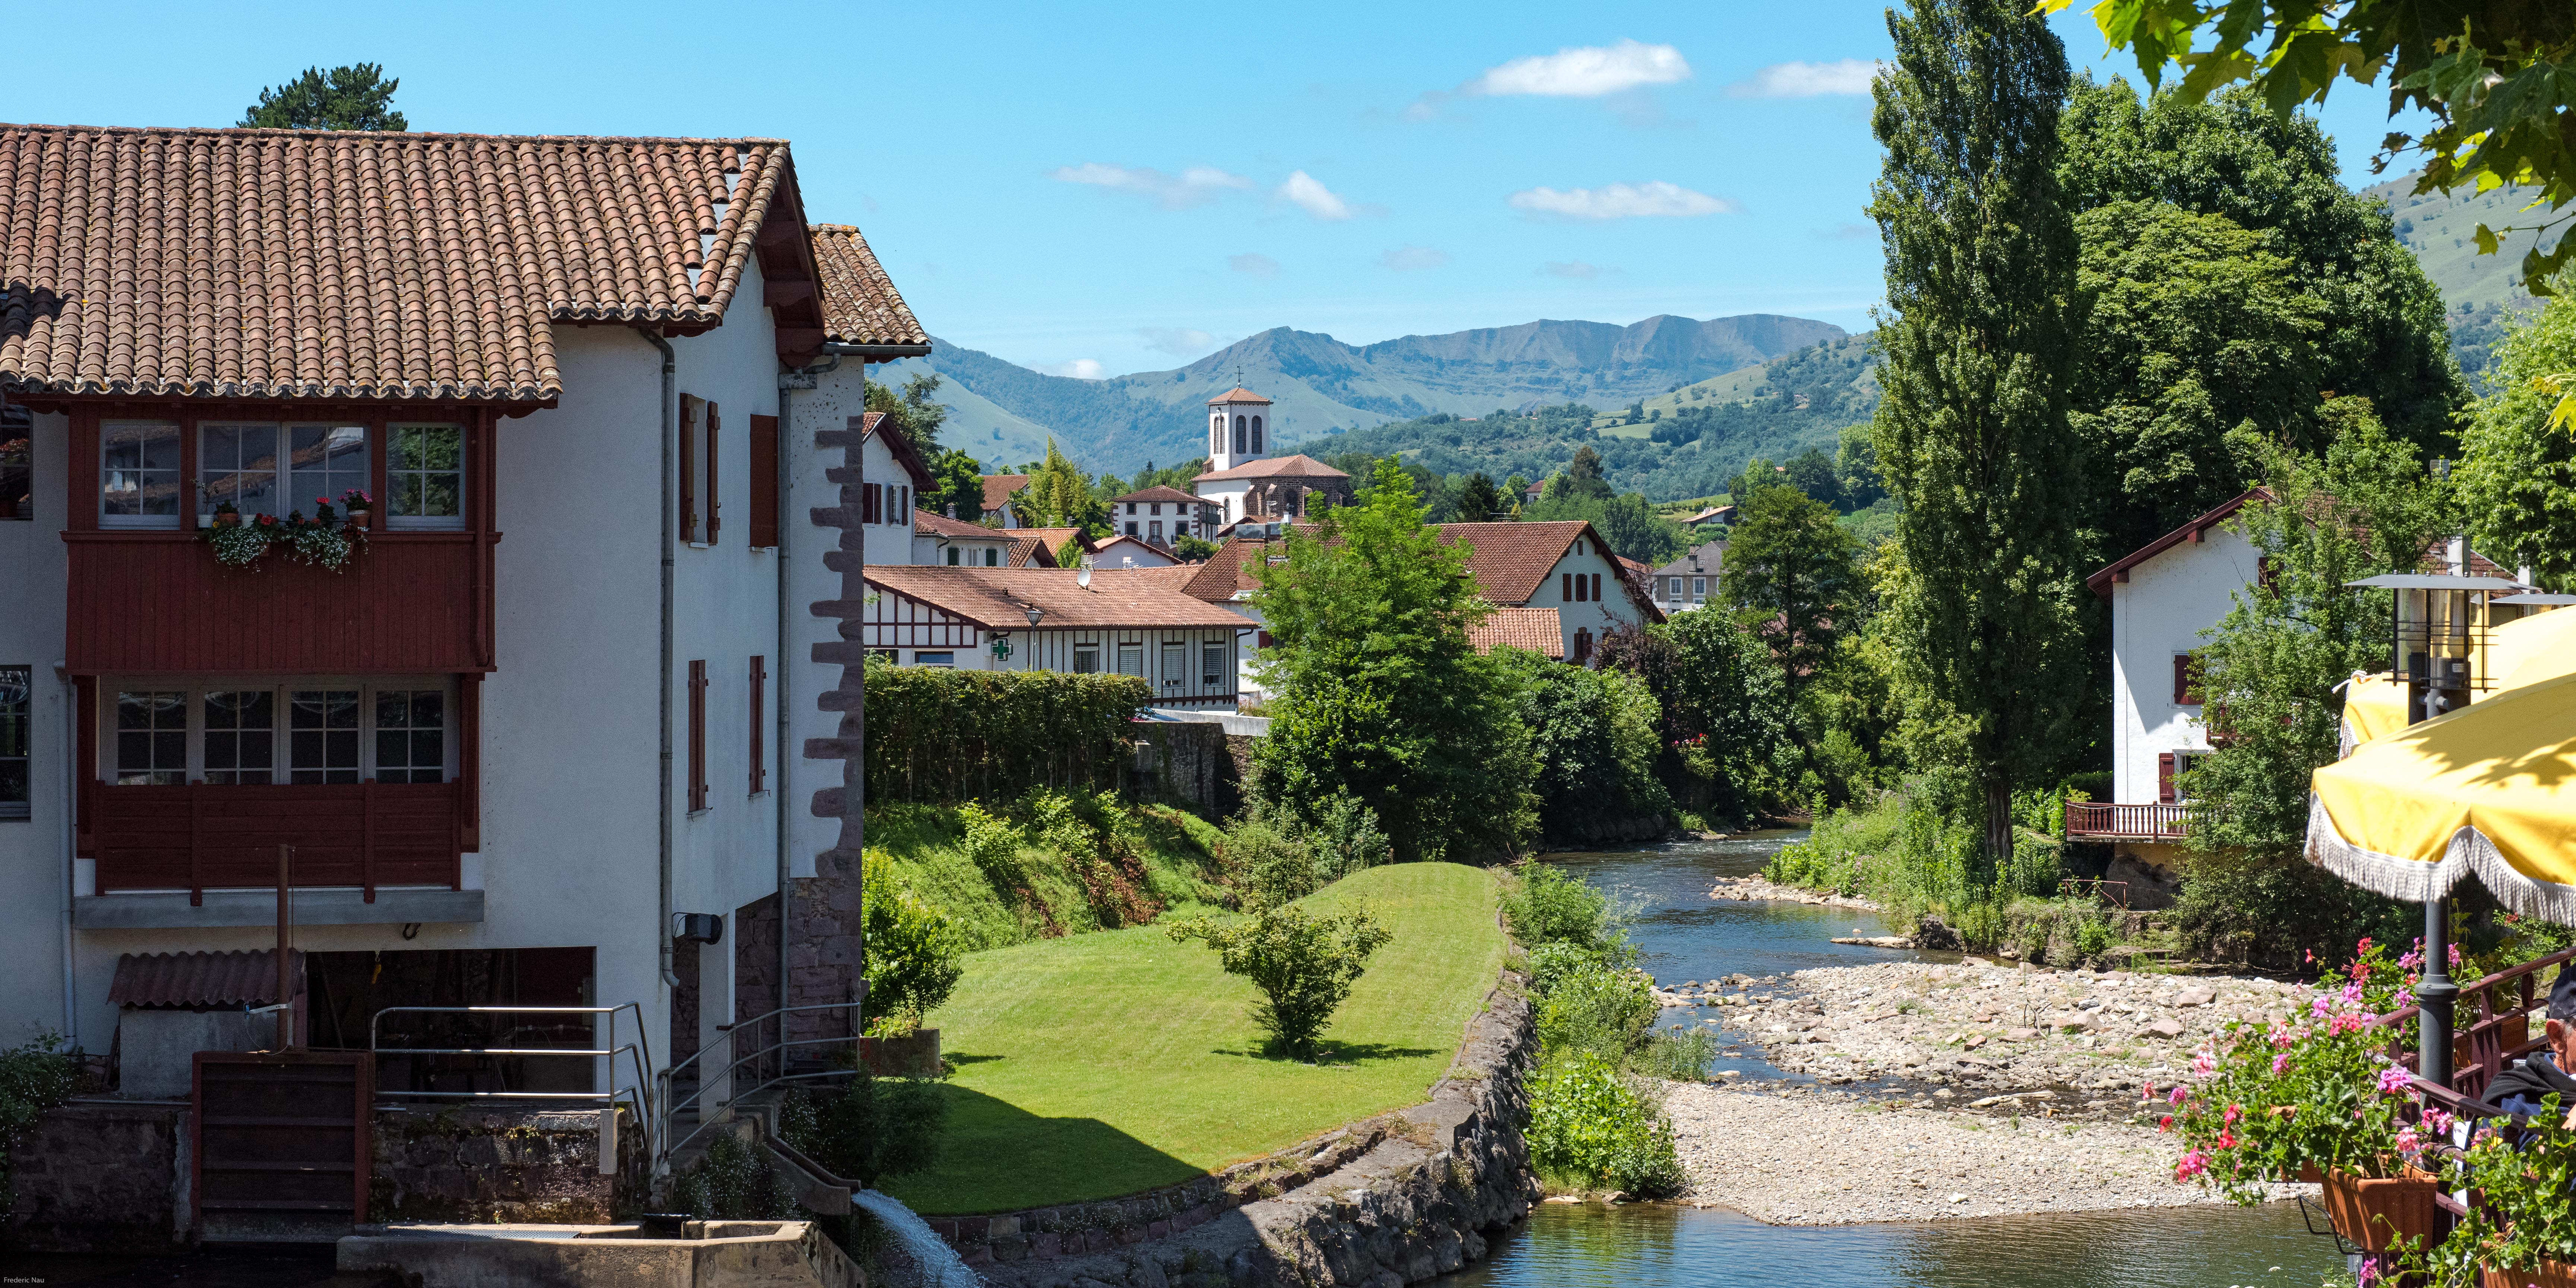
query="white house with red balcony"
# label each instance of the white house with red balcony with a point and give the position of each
(555, 700)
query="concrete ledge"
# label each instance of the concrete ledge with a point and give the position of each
(170, 910)
(1240, 725)
(710, 1254)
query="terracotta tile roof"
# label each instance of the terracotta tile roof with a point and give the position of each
(201, 979)
(1052, 538)
(926, 524)
(1230, 569)
(1276, 467)
(860, 305)
(1108, 553)
(1238, 394)
(1535, 629)
(1028, 552)
(347, 264)
(998, 598)
(1511, 561)
(1159, 493)
(998, 489)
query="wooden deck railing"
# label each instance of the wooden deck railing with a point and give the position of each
(2494, 1039)
(2145, 822)
(201, 837)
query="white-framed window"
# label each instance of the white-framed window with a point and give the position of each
(267, 468)
(138, 474)
(925, 657)
(1176, 664)
(1131, 660)
(1673, 588)
(17, 725)
(1211, 665)
(1086, 659)
(260, 732)
(425, 473)
(1699, 586)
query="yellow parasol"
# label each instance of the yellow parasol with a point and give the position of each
(2372, 706)
(2532, 649)
(2489, 789)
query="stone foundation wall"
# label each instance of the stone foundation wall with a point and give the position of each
(1188, 765)
(99, 1177)
(517, 1166)
(1398, 1199)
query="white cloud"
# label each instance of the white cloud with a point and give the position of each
(1178, 341)
(1252, 262)
(1585, 72)
(1408, 259)
(1572, 268)
(1807, 80)
(1622, 201)
(1194, 186)
(1314, 197)
(1079, 369)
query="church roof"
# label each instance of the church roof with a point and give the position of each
(1239, 395)
(1298, 466)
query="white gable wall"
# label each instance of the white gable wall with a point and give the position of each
(2158, 612)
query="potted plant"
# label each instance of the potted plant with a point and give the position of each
(238, 544)
(358, 505)
(227, 515)
(2521, 1225)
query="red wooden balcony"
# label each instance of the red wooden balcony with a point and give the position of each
(2098, 821)
(199, 837)
(158, 602)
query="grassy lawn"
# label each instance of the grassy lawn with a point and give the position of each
(1103, 1064)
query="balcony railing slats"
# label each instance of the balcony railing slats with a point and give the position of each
(158, 602)
(207, 836)
(2142, 822)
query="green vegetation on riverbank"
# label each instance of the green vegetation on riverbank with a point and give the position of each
(1104, 1064)
(1049, 864)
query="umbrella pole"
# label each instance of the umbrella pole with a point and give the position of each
(2433, 996)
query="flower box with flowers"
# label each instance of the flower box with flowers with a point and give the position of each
(323, 541)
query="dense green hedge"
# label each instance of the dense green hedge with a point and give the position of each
(939, 735)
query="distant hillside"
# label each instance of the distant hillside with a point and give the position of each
(1692, 446)
(1319, 385)
(2481, 290)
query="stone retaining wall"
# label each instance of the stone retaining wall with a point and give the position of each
(517, 1166)
(1394, 1200)
(95, 1176)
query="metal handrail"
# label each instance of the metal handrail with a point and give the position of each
(639, 1054)
(676, 1104)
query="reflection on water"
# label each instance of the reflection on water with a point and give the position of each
(1685, 935)
(1583, 1245)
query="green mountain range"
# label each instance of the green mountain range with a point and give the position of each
(1319, 386)
(2482, 291)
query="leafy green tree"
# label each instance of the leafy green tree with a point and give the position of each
(957, 487)
(1727, 716)
(1480, 501)
(1596, 735)
(2269, 679)
(915, 412)
(1583, 474)
(2382, 333)
(1631, 526)
(1812, 472)
(1790, 579)
(1971, 432)
(355, 97)
(1190, 549)
(868, 1129)
(2200, 347)
(2493, 74)
(1060, 495)
(1303, 964)
(1856, 468)
(912, 948)
(2517, 475)
(1381, 695)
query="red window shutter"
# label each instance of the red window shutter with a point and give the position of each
(868, 504)
(715, 521)
(688, 468)
(759, 690)
(764, 482)
(1263, 640)
(1565, 586)
(2164, 778)
(697, 735)
(1594, 595)
(2186, 691)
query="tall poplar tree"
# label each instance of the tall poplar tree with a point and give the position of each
(1972, 434)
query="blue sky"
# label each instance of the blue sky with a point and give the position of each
(1095, 189)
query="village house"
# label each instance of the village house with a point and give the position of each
(998, 489)
(538, 741)
(1128, 552)
(1086, 622)
(938, 540)
(1161, 516)
(1690, 580)
(1245, 484)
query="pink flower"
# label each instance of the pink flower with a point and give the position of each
(2192, 1164)
(2180, 1094)
(2165, 1123)
(2233, 1113)
(2436, 1120)
(2279, 1063)
(2147, 1092)
(2319, 1005)
(2408, 1142)
(2393, 1080)
(2455, 954)
(2227, 1140)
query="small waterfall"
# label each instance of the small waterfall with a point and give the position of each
(931, 1262)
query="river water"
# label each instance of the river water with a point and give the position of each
(1685, 935)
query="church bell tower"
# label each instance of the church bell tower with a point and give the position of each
(1238, 429)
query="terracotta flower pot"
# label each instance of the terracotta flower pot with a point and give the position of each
(227, 520)
(2372, 1214)
(358, 518)
(2548, 1274)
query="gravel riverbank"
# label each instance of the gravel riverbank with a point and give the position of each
(1804, 1156)
(1755, 889)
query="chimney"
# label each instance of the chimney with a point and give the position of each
(2459, 556)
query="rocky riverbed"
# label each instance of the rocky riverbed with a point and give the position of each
(1816, 1156)
(1756, 889)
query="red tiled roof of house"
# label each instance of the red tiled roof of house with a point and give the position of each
(1276, 467)
(998, 489)
(860, 304)
(1238, 394)
(1159, 493)
(351, 264)
(1535, 629)
(927, 524)
(1230, 569)
(1511, 561)
(999, 598)
(1108, 553)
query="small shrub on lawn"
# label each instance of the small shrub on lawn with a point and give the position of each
(1599, 1009)
(1590, 1129)
(730, 1182)
(1271, 864)
(913, 948)
(868, 1129)
(1304, 965)
(1346, 837)
(993, 845)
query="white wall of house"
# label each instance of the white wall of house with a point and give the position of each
(939, 550)
(1592, 618)
(1226, 495)
(35, 851)
(2159, 612)
(918, 634)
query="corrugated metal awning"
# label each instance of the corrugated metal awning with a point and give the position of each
(201, 979)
